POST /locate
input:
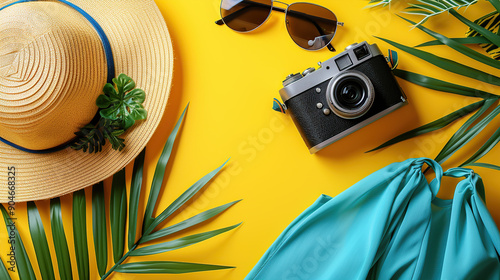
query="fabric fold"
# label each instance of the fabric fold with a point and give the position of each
(390, 225)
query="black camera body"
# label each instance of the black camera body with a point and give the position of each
(346, 93)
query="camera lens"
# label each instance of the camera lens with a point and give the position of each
(350, 94)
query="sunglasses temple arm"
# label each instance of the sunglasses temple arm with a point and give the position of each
(320, 30)
(330, 47)
(243, 10)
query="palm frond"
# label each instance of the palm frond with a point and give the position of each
(118, 218)
(180, 242)
(465, 133)
(377, 3)
(99, 228)
(492, 37)
(490, 22)
(164, 267)
(24, 267)
(135, 193)
(40, 242)
(159, 173)
(484, 149)
(475, 124)
(80, 235)
(186, 224)
(459, 47)
(463, 41)
(432, 126)
(181, 200)
(485, 165)
(59, 239)
(430, 8)
(118, 214)
(4, 274)
(448, 64)
(440, 85)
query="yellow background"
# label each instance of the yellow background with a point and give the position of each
(230, 80)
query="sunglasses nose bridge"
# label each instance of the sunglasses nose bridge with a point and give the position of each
(281, 3)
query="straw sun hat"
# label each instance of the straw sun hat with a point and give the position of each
(53, 66)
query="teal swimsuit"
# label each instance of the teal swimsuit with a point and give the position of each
(390, 225)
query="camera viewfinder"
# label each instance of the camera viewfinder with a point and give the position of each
(361, 52)
(343, 62)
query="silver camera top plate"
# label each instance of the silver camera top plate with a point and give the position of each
(329, 69)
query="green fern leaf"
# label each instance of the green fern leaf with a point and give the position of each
(376, 3)
(92, 138)
(430, 8)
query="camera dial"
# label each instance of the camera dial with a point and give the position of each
(351, 46)
(292, 78)
(350, 94)
(308, 71)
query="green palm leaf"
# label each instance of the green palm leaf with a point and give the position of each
(181, 200)
(99, 228)
(490, 22)
(435, 125)
(118, 214)
(167, 267)
(118, 217)
(459, 47)
(23, 263)
(439, 85)
(495, 4)
(485, 165)
(59, 239)
(193, 221)
(430, 8)
(179, 243)
(80, 235)
(4, 274)
(492, 37)
(40, 242)
(448, 65)
(135, 193)
(24, 267)
(487, 146)
(464, 134)
(464, 41)
(159, 174)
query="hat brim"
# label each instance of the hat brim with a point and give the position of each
(142, 49)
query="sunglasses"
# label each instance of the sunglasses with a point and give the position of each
(311, 27)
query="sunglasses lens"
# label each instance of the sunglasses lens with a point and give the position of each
(245, 15)
(311, 26)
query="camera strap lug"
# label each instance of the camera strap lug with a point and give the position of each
(278, 106)
(393, 59)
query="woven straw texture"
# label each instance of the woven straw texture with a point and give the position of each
(53, 67)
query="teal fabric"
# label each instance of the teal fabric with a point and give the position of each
(390, 225)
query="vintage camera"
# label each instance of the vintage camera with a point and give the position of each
(347, 92)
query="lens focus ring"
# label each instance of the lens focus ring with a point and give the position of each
(350, 94)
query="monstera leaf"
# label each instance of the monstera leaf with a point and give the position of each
(115, 223)
(122, 101)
